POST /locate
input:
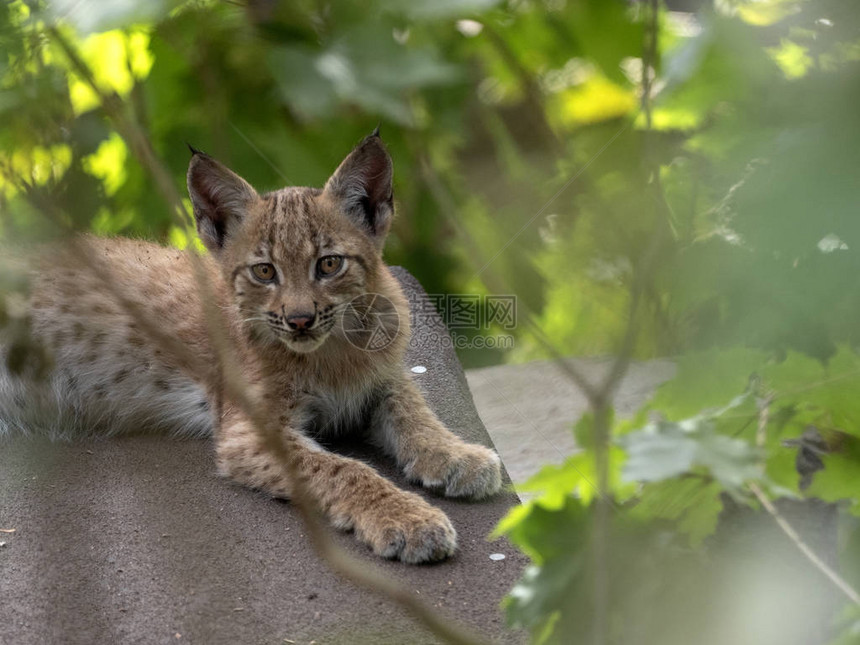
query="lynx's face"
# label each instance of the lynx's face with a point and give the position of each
(295, 258)
(303, 263)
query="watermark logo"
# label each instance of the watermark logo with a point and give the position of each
(469, 318)
(370, 322)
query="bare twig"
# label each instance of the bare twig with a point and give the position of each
(602, 409)
(787, 528)
(600, 530)
(115, 109)
(794, 536)
(449, 207)
(761, 436)
(817, 384)
(763, 420)
(649, 58)
(599, 395)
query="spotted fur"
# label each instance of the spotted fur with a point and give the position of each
(109, 378)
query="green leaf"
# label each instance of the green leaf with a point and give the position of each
(536, 598)
(701, 518)
(663, 452)
(732, 462)
(557, 539)
(707, 379)
(781, 469)
(667, 449)
(693, 503)
(839, 481)
(592, 20)
(576, 476)
(823, 393)
(545, 535)
(583, 431)
(363, 66)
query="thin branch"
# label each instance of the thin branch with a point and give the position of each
(794, 536)
(602, 430)
(448, 207)
(763, 420)
(599, 396)
(588, 389)
(115, 109)
(817, 384)
(649, 59)
(787, 528)
(637, 289)
(534, 106)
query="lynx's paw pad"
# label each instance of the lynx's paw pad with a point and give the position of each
(469, 471)
(422, 533)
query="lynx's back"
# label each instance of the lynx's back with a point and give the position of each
(104, 375)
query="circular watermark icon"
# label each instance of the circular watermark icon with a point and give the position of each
(370, 322)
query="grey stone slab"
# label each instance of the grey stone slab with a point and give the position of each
(136, 540)
(530, 409)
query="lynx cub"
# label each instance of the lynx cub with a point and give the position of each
(284, 266)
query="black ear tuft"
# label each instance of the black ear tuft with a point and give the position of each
(363, 185)
(375, 132)
(194, 151)
(220, 198)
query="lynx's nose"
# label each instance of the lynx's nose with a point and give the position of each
(300, 322)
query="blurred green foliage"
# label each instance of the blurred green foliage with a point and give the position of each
(523, 161)
(712, 186)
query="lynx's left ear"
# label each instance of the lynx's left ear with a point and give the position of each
(362, 185)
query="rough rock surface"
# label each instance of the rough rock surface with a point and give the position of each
(530, 409)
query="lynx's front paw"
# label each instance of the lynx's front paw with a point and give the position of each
(465, 470)
(410, 530)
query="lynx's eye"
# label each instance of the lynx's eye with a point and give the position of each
(264, 272)
(329, 265)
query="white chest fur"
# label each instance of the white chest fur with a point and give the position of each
(336, 411)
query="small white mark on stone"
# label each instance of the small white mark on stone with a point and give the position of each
(497, 556)
(419, 369)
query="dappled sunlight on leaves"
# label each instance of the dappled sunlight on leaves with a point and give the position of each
(118, 58)
(108, 163)
(595, 100)
(793, 59)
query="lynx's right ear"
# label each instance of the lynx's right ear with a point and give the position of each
(362, 185)
(220, 198)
